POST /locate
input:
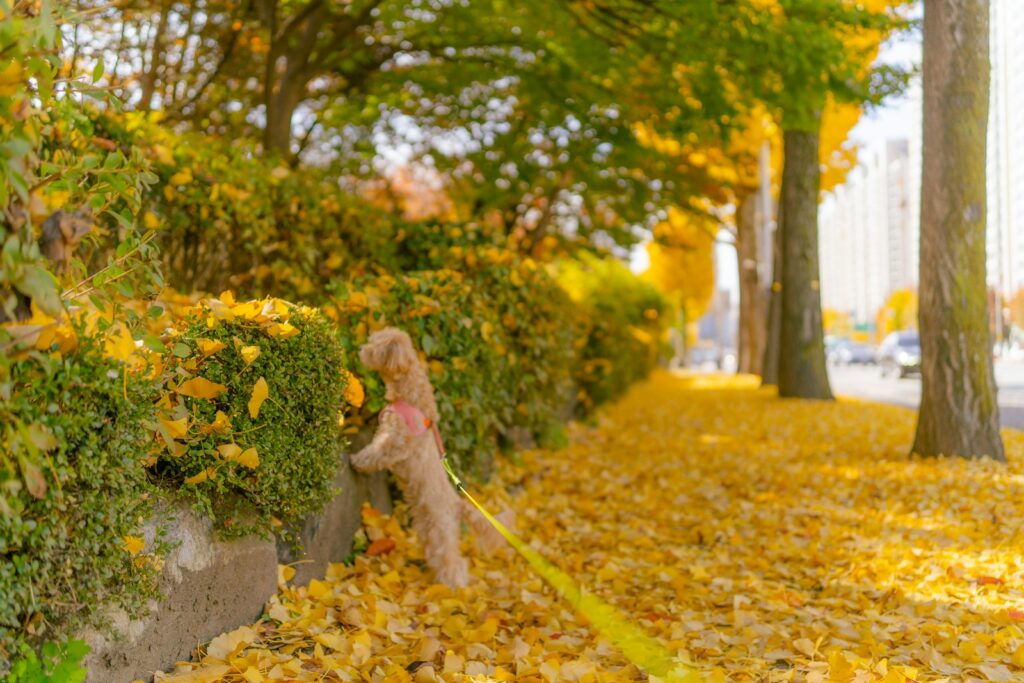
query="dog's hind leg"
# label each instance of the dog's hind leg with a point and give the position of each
(441, 548)
(488, 539)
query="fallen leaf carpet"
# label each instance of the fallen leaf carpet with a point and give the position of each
(758, 539)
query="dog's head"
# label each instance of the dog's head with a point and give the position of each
(389, 351)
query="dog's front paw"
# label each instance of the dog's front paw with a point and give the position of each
(362, 460)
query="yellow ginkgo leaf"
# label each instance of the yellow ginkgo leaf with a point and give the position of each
(253, 675)
(133, 545)
(229, 451)
(260, 391)
(208, 347)
(119, 344)
(248, 310)
(227, 644)
(282, 330)
(484, 634)
(221, 424)
(334, 641)
(12, 78)
(176, 429)
(182, 177)
(200, 387)
(249, 458)
(197, 478)
(286, 573)
(249, 353)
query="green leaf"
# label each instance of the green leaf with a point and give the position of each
(154, 344)
(124, 221)
(40, 285)
(429, 344)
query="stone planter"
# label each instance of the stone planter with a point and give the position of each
(211, 586)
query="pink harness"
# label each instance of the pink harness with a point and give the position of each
(416, 421)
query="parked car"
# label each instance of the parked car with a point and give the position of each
(900, 354)
(704, 357)
(848, 352)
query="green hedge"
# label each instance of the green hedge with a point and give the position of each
(493, 336)
(620, 321)
(228, 218)
(68, 528)
(254, 469)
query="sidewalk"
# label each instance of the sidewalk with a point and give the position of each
(763, 540)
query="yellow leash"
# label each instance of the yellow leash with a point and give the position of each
(639, 647)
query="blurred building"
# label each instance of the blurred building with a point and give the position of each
(868, 233)
(870, 226)
(1006, 149)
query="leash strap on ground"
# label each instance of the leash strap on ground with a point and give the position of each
(639, 647)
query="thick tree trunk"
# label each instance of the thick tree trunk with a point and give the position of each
(752, 309)
(802, 372)
(284, 98)
(288, 69)
(959, 414)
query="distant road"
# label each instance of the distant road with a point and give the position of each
(867, 382)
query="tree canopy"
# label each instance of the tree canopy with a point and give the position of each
(539, 116)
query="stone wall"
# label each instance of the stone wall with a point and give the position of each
(211, 586)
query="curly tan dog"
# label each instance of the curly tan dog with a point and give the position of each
(408, 444)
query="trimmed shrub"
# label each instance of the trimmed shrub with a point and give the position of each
(492, 334)
(230, 219)
(620, 320)
(73, 493)
(250, 417)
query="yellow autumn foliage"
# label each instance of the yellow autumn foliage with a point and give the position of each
(898, 313)
(682, 263)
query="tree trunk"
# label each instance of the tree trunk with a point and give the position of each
(752, 313)
(283, 99)
(802, 372)
(288, 70)
(959, 413)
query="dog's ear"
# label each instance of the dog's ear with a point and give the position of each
(400, 355)
(389, 350)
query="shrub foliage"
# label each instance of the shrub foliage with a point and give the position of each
(492, 332)
(619, 324)
(70, 528)
(255, 393)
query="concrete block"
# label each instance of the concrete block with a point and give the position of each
(327, 537)
(208, 587)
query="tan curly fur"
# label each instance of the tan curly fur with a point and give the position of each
(435, 505)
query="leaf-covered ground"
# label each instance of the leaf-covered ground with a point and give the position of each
(762, 540)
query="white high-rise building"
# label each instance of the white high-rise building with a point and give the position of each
(1006, 149)
(868, 234)
(853, 241)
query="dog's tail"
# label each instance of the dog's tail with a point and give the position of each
(488, 539)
